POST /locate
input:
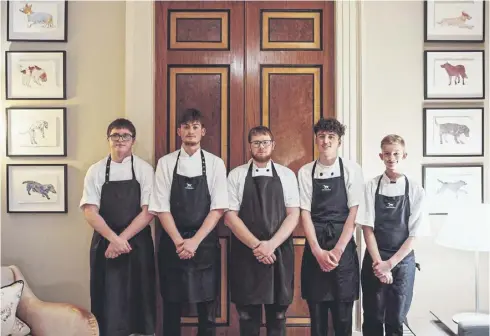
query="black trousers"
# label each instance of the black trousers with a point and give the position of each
(251, 319)
(206, 317)
(341, 316)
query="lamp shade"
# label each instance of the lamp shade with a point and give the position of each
(467, 227)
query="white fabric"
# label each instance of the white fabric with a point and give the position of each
(236, 183)
(20, 328)
(95, 178)
(353, 176)
(189, 166)
(418, 223)
(9, 299)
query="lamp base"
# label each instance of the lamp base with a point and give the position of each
(471, 317)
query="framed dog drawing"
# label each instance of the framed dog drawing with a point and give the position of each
(36, 131)
(453, 132)
(37, 20)
(37, 188)
(35, 75)
(454, 74)
(447, 186)
(454, 21)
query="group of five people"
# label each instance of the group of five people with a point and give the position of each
(262, 203)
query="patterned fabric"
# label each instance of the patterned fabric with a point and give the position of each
(10, 298)
(20, 328)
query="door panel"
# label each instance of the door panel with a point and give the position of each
(244, 64)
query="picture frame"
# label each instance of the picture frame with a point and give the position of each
(451, 185)
(37, 188)
(37, 21)
(454, 21)
(453, 131)
(454, 74)
(35, 75)
(36, 131)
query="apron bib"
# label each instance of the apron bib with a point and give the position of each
(262, 211)
(196, 279)
(329, 211)
(391, 230)
(122, 289)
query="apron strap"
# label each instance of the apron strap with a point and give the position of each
(107, 168)
(379, 183)
(203, 162)
(132, 167)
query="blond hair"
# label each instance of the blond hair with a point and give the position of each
(391, 139)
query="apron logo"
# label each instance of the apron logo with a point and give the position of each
(326, 188)
(189, 186)
(390, 205)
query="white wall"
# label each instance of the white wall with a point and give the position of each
(392, 102)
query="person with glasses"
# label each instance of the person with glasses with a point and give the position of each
(331, 189)
(115, 202)
(263, 212)
(189, 197)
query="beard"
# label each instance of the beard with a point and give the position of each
(261, 159)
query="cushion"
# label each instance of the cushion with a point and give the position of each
(7, 276)
(9, 298)
(20, 328)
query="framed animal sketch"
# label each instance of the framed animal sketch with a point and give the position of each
(454, 21)
(449, 185)
(37, 20)
(37, 188)
(453, 74)
(453, 132)
(35, 75)
(36, 131)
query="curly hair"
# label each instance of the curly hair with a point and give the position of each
(329, 125)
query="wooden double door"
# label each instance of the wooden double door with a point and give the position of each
(244, 64)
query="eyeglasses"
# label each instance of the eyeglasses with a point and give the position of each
(117, 136)
(256, 144)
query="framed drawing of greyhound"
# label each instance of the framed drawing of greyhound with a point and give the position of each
(37, 188)
(454, 21)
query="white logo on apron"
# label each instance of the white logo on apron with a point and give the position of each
(189, 186)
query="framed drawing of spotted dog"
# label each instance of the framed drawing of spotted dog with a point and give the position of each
(452, 185)
(453, 132)
(454, 21)
(35, 75)
(454, 74)
(37, 188)
(36, 131)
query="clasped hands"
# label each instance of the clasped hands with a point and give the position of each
(117, 247)
(264, 252)
(327, 260)
(382, 270)
(186, 248)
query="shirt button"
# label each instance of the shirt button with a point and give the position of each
(267, 169)
(331, 174)
(257, 170)
(321, 174)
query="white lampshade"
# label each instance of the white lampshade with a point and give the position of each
(467, 227)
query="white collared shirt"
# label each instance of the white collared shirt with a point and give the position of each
(353, 177)
(418, 224)
(95, 178)
(189, 166)
(236, 183)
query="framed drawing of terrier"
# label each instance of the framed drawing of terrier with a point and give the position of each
(454, 74)
(454, 21)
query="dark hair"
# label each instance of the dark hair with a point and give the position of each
(329, 125)
(264, 130)
(191, 115)
(121, 123)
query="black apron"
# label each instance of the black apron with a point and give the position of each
(122, 289)
(196, 279)
(329, 211)
(263, 212)
(391, 230)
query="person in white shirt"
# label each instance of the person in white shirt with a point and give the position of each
(331, 190)
(115, 203)
(263, 212)
(189, 197)
(392, 214)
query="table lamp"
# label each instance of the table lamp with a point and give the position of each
(468, 228)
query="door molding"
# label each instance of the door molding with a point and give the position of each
(140, 94)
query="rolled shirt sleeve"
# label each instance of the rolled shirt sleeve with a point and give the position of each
(418, 223)
(291, 191)
(365, 212)
(355, 186)
(160, 195)
(147, 181)
(305, 188)
(219, 191)
(233, 190)
(91, 188)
